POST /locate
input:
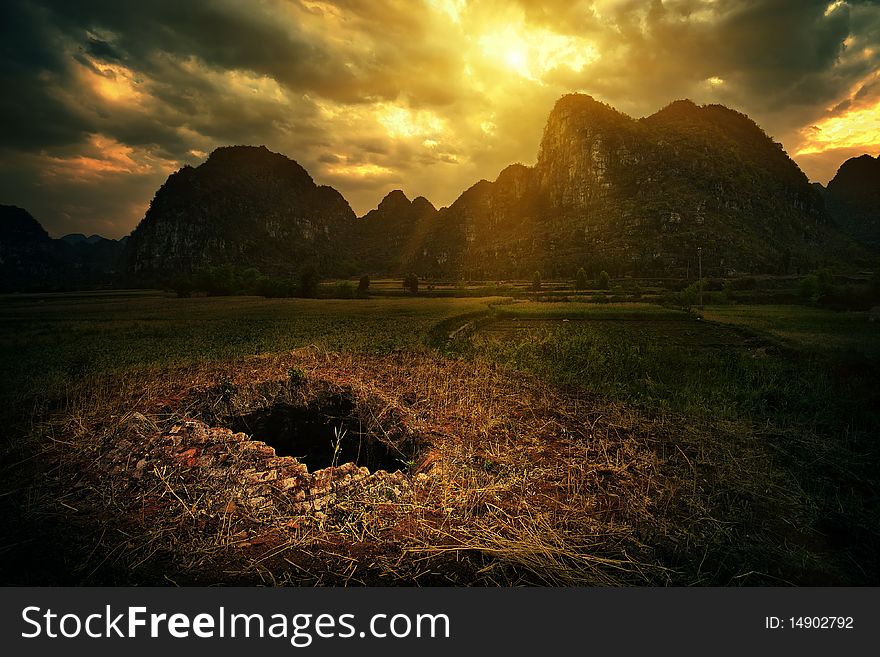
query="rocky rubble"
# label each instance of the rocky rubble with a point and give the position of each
(228, 473)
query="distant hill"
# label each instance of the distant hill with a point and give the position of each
(389, 237)
(79, 238)
(30, 260)
(853, 199)
(244, 206)
(639, 197)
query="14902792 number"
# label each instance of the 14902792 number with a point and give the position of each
(822, 622)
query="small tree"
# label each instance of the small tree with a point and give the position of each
(536, 281)
(363, 284)
(604, 280)
(817, 287)
(215, 281)
(727, 292)
(183, 285)
(308, 281)
(411, 283)
(690, 296)
(580, 280)
(344, 290)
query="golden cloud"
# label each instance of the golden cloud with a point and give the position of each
(855, 126)
(102, 157)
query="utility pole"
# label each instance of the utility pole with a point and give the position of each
(700, 258)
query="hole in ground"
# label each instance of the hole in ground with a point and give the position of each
(321, 435)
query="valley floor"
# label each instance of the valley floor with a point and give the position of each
(505, 442)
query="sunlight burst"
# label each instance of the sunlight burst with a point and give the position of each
(534, 53)
(402, 122)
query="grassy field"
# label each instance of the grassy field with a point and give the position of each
(739, 447)
(805, 327)
(791, 364)
(50, 343)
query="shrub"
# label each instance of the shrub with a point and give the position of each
(536, 281)
(216, 281)
(688, 297)
(580, 279)
(747, 283)
(817, 287)
(726, 292)
(308, 281)
(411, 283)
(363, 284)
(182, 285)
(604, 282)
(296, 375)
(344, 290)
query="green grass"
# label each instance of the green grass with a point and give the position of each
(660, 358)
(665, 359)
(586, 311)
(805, 327)
(49, 343)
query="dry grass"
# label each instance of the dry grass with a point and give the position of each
(509, 481)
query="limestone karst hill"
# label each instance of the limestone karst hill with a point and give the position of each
(853, 199)
(244, 206)
(639, 197)
(608, 192)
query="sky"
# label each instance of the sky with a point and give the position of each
(102, 100)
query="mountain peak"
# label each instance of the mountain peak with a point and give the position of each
(17, 225)
(223, 152)
(394, 200)
(683, 111)
(861, 165)
(583, 108)
(577, 100)
(687, 112)
(30, 260)
(513, 173)
(423, 206)
(255, 159)
(683, 107)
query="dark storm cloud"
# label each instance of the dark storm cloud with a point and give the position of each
(30, 115)
(226, 34)
(765, 51)
(236, 35)
(773, 43)
(102, 50)
(155, 36)
(152, 38)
